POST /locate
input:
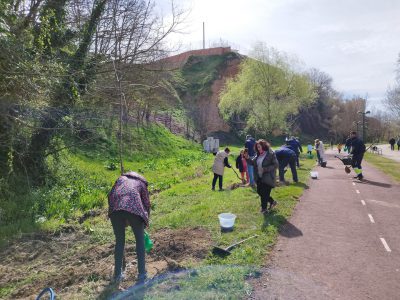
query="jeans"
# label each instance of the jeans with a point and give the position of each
(250, 170)
(319, 158)
(291, 161)
(264, 191)
(118, 221)
(216, 176)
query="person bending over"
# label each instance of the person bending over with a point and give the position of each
(286, 156)
(129, 204)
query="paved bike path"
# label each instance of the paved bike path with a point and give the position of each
(392, 154)
(342, 242)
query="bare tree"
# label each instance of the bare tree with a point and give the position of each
(392, 100)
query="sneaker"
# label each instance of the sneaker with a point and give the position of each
(360, 177)
(263, 210)
(356, 177)
(273, 204)
(221, 190)
(213, 188)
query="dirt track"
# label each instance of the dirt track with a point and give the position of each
(78, 269)
(333, 247)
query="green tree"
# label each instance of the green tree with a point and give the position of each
(267, 91)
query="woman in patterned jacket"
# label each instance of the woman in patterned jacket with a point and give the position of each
(129, 204)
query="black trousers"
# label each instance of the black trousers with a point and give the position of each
(118, 221)
(264, 191)
(297, 159)
(356, 161)
(291, 161)
(216, 176)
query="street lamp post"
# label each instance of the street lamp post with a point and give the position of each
(363, 124)
(356, 124)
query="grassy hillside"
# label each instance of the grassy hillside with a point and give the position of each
(71, 249)
(199, 72)
(80, 179)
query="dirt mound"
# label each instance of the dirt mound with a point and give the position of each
(77, 268)
(236, 185)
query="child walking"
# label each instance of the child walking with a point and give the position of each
(241, 164)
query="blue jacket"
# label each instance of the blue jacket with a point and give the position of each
(284, 153)
(294, 145)
(357, 146)
(250, 146)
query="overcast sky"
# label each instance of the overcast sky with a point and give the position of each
(357, 42)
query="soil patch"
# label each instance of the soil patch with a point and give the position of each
(76, 268)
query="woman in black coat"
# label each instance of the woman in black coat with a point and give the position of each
(265, 166)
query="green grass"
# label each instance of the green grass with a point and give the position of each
(207, 282)
(193, 204)
(386, 165)
(79, 180)
(200, 72)
(179, 176)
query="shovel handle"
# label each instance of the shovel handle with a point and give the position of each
(240, 242)
(236, 173)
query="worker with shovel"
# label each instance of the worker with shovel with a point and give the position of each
(357, 149)
(220, 162)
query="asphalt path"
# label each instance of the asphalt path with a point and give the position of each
(342, 242)
(386, 152)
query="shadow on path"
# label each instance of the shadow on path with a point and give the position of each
(301, 184)
(286, 228)
(376, 183)
(289, 230)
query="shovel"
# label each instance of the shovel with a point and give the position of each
(226, 251)
(242, 180)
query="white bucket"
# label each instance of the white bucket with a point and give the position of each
(226, 220)
(314, 174)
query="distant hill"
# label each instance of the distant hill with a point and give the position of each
(204, 73)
